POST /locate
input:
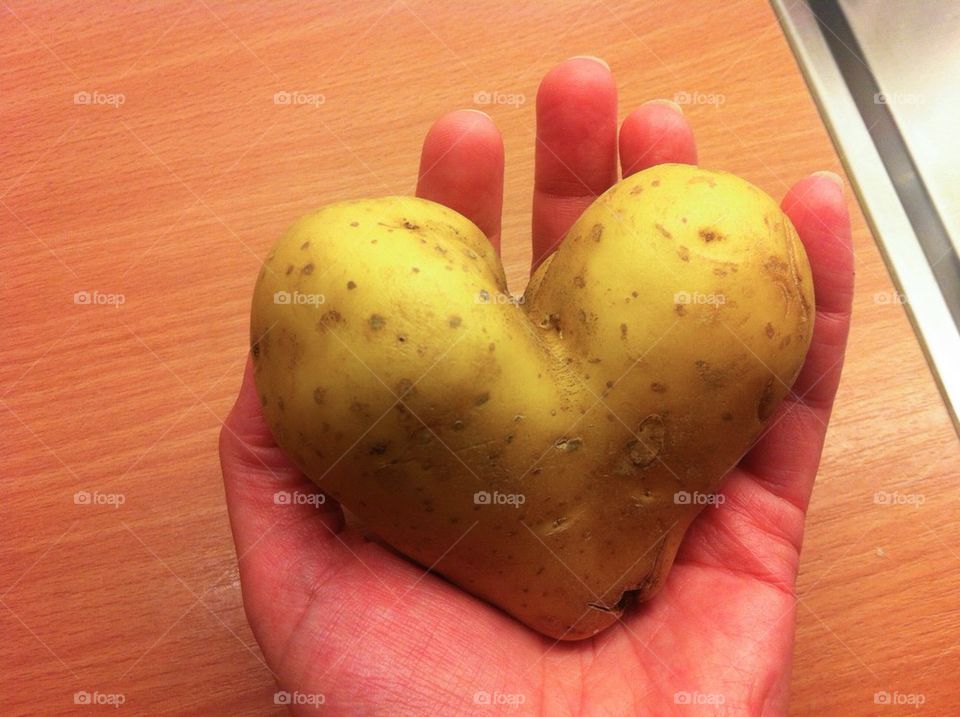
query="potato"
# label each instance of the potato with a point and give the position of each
(545, 454)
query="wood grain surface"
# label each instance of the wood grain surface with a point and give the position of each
(170, 199)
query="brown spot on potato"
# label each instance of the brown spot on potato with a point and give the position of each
(765, 404)
(481, 399)
(354, 224)
(683, 253)
(491, 348)
(454, 321)
(280, 404)
(727, 416)
(609, 384)
(713, 377)
(596, 232)
(623, 331)
(680, 309)
(637, 190)
(305, 245)
(318, 394)
(569, 445)
(457, 425)
(649, 442)
(409, 225)
(289, 269)
(655, 183)
(579, 282)
(378, 448)
(351, 285)
(719, 272)
(785, 341)
(377, 322)
(415, 269)
(658, 387)
(768, 330)
(307, 270)
(683, 219)
(709, 234)
(402, 338)
(405, 387)
(663, 230)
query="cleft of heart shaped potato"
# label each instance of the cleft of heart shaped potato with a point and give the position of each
(545, 453)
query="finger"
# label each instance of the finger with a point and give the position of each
(787, 456)
(656, 133)
(461, 167)
(576, 154)
(276, 531)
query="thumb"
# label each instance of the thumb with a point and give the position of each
(284, 529)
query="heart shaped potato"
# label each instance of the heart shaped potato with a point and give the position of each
(546, 455)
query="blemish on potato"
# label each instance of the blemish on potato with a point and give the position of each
(709, 234)
(377, 322)
(768, 330)
(378, 448)
(714, 378)
(727, 416)
(658, 387)
(655, 183)
(415, 269)
(648, 445)
(318, 394)
(663, 230)
(409, 225)
(280, 404)
(579, 282)
(481, 399)
(596, 232)
(785, 341)
(354, 224)
(623, 331)
(351, 285)
(457, 425)
(491, 348)
(289, 269)
(568, 445)
(637, 189)
(683, 219)
(401, 338)
(683, 253)
(454, 321)
(305, 245)
(765, 405)
(307, 270)
(680, 309)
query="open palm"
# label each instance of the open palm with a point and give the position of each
(346, 622)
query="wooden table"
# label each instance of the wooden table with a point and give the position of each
(170, 199)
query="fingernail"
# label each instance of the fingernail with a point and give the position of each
(590, 57)
(666, 103)
(832, 176)
(479, 112)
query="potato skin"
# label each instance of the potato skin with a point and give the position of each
(646, 356)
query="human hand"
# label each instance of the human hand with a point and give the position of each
(340, 615)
